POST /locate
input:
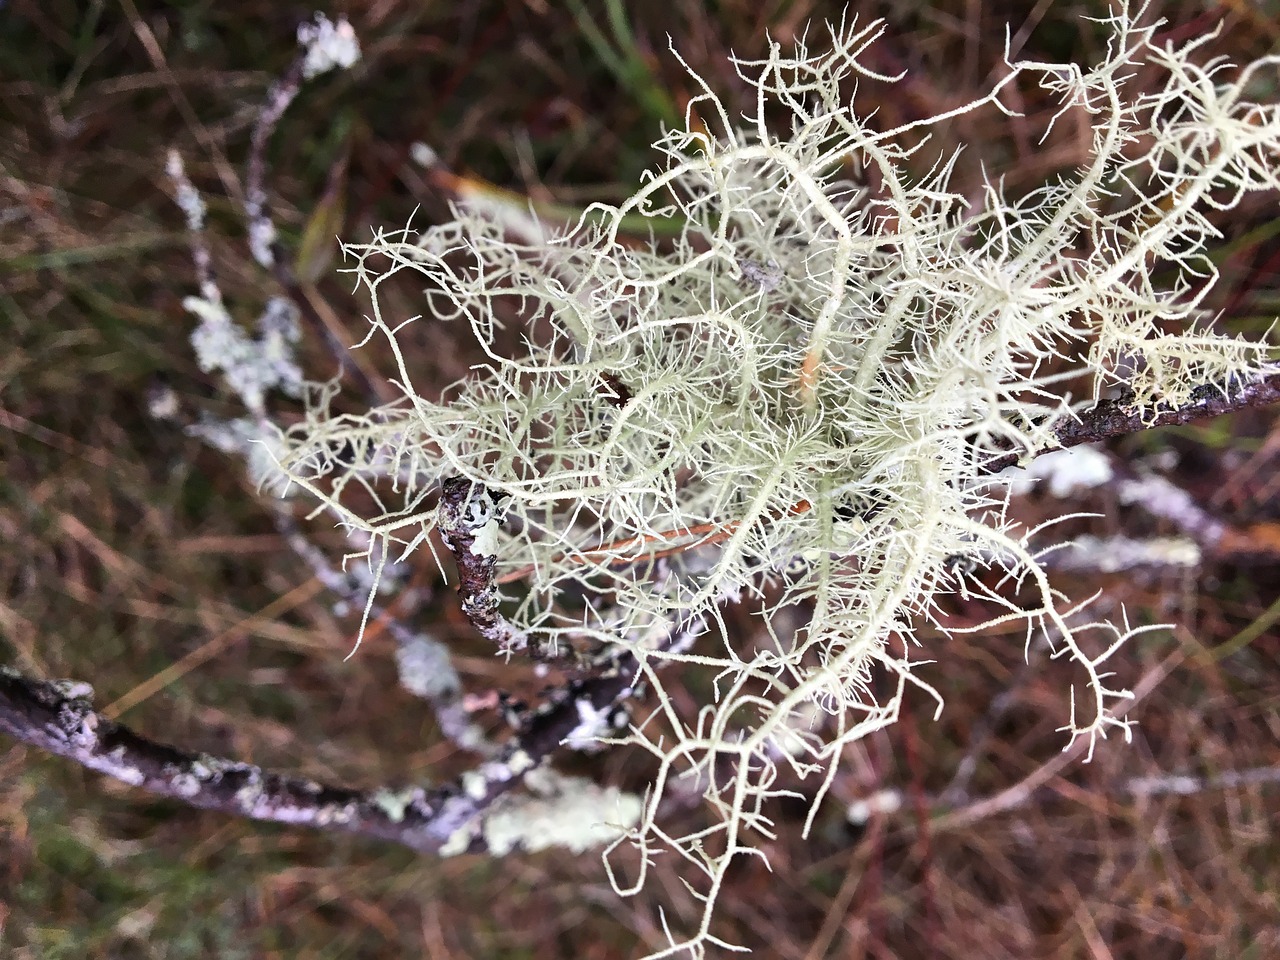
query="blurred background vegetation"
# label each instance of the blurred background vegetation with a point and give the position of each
(139, 559)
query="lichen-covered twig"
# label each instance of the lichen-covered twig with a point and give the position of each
(904, 343)
(1069, 472)
(253, 367)
(58, 716)
(469, 527)
(325, 45)
(1216, 538)
(1110, 418)
(1114, 418)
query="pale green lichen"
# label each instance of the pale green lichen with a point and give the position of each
(474, 785)
(486, 539)
(460, 840)
(394, 803)
(520, 762)
(1066, 472)
(74, 689)
(814, 375)
(567, 812)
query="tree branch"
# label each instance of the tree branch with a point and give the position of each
(58, 717)
(1113, 418)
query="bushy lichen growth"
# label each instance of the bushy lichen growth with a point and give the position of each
(803, 388)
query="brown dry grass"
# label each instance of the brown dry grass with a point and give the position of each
(130, 546)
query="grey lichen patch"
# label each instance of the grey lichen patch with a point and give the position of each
(201, 770)
(1066, 472)
(593, 723)
(1115, 554)
(460, 840)
(213, 768)
(130, 774)
(476, 784)
(326, 814)
(249, 796)
(322, 815)
(394, 803)
(116, 764)
(73, 689)
(568, 812)
(425, 668)
(486, 539)
(767, 276)
(77, 725)
(186, 785)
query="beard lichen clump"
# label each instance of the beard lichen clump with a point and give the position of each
(791, 404)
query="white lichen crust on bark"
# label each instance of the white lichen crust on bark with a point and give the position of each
(58, 717)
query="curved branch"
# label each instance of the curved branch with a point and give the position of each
(58, 717)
